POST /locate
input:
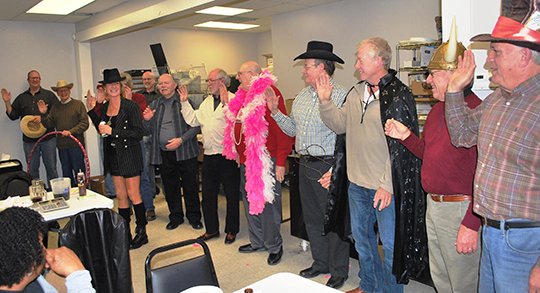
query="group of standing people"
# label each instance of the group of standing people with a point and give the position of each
(478, 228)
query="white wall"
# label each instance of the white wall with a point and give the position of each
(46, 47)
(182, 48)
(345, 24)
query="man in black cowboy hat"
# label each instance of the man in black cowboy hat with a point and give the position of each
(506, 130)
(315, 143)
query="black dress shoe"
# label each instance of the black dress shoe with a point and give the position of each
(248, 248)
(207, 236)
(336, 282)
(230, 238)
(275, 258)
(173, 225)
(150, 215)
(140, 238)
(310, 273)
(196, 225)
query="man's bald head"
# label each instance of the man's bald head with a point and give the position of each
(248, 70)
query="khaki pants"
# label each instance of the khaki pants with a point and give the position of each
(450, 271)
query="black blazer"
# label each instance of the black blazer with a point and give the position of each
(124, 141)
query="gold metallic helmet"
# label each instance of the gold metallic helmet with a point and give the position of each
(445, 57)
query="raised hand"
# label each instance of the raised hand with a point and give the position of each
(6, 95)
(42, 106)
(223, 92)
(148, 113)
(271, 100)
(183, 92)
(464, 73)
(90, 101)
(396, 129)
(324, 88)
(128, 93)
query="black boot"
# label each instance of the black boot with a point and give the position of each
(140, 231)
(125, 213)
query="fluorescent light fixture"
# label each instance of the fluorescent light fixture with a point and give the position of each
(227, 25)
(227, 11)
(58, 7)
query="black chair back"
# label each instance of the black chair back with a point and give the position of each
(100, 239)
(179, 276)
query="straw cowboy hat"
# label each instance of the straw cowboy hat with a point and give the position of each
(62, 84)
(110, 76)
(518, 25)
(31, 128)
(320, 50)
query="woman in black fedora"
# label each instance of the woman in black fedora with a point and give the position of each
(120, 125)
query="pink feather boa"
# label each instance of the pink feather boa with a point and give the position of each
(250, 108)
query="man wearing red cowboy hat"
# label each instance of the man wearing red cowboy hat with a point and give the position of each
(506, 130)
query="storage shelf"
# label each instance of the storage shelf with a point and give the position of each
(412, 46)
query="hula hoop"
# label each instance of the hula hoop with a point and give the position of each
(86, 162)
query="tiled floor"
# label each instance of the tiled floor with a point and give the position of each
(234, 270)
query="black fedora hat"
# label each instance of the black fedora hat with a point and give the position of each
(518, 25)
(110, 76)
(320, 50)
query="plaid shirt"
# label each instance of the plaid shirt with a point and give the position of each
(313, 137)
(506, 128)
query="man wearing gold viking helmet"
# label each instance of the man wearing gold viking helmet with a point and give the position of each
(447, 176)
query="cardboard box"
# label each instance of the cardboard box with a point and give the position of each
(418, 89)
(97, 184)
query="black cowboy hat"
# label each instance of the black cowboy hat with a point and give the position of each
(110, 76)
(516, 25)
(320, 50)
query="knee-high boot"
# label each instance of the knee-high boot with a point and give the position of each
(125, 213)
(140, 218)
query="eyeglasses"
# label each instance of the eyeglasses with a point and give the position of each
(307, 66)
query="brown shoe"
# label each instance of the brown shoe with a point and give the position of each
(356, 290)
(230, 238)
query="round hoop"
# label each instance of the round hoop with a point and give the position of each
(86, 162)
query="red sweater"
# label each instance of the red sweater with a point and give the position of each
(279, 144)
(446, 169)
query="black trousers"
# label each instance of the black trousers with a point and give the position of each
(217, 169)
(329, 252)
(171, 172)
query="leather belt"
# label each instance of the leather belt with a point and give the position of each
(511, 225)
(316, 158)
(450, 198)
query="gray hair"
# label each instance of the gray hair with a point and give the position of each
(222, 74)
(329, 66)
(536, 57)
(381, 49)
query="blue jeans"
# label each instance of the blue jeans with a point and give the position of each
(147, 188)
(46, 149)
(72, 160)
(375, 274)
(507, 258)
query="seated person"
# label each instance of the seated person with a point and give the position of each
(23, 256)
